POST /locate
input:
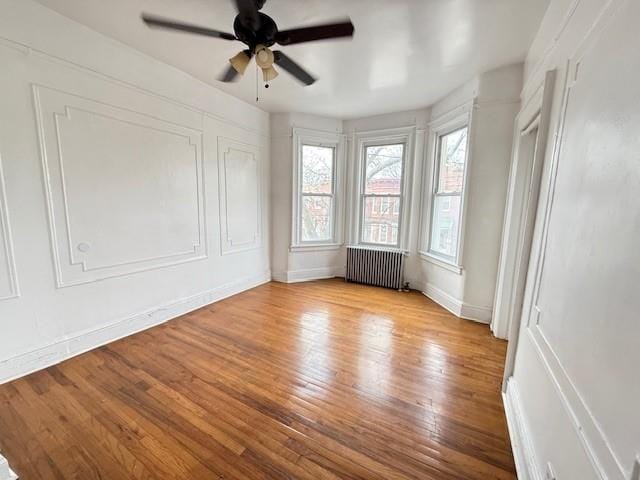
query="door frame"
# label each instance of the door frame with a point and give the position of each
(521, 209)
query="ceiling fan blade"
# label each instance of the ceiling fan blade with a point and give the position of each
(159, 22)
(293, 68)
(229, 75)
(248, 12)
(315, 32)
(238, 65)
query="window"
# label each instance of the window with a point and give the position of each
(446, 210)
(382, 188)
(317, 190)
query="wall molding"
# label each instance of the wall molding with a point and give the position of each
(523, 450)
(593, 440)
(27, 49)
(308, 275)
(6, 243)
(69, 271)
(82, 342)
(229, 244)
(459, 308)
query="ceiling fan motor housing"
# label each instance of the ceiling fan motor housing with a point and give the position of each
(265, 35)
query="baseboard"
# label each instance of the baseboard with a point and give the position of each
(523, 451)
(5, 472)
(307, 275)
(443, 299)
(455, 306)
(66, 348)
(476, 313)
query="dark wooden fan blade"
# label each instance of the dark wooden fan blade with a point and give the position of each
(229, 75)
(159, 22)
(315, 32)
(248, 13)
(293, 68)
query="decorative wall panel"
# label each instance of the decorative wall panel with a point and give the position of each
(240, 206)
(124, 190)
(8, 277)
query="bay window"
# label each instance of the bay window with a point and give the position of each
(382, 194)
(446, 202)
(315, 189)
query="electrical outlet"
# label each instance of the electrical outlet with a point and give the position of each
(550, 474)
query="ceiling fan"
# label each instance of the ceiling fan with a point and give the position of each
(259, 32)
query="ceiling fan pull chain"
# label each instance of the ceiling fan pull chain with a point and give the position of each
(257, 85)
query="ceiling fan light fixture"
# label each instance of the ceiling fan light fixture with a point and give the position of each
(264, 57)
(240, 62)
(269, 74)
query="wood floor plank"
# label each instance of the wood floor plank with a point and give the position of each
(320, 380)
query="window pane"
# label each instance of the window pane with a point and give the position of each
(317, 169)
(316, 218)
(444, 230)
(380, 225)
(383, 169)
(453, 149)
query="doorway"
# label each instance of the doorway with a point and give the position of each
(520, 217)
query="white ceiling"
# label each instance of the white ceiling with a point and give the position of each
(405, 54)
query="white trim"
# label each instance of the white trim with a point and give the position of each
(28, 49)
(524, 189)
(300, 137)
(440, 262)
(443, 299)
(6, 241)
(321, 247)
(459, 308)
(360, 140)
(476, 313)
(5, 471)
(308, 275)
(456, 118)
(521, 444)
(66, 348)
(229, 245)
(536, 73)
(50, 105)
(593, 440)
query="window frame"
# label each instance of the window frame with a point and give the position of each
(449, 123)
(378, 198)
(362, 140)
(305, 137)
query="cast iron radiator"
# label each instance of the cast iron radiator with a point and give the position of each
(383, 268)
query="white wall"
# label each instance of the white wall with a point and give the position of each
(292, 266)
(493, 100)
(287, 265)
(130, 192)
(413, 119)
(573, 399)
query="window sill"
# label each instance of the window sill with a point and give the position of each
(316, 247)
(440, 262)
(382, 248)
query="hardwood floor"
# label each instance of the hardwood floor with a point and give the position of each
(320, 380)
